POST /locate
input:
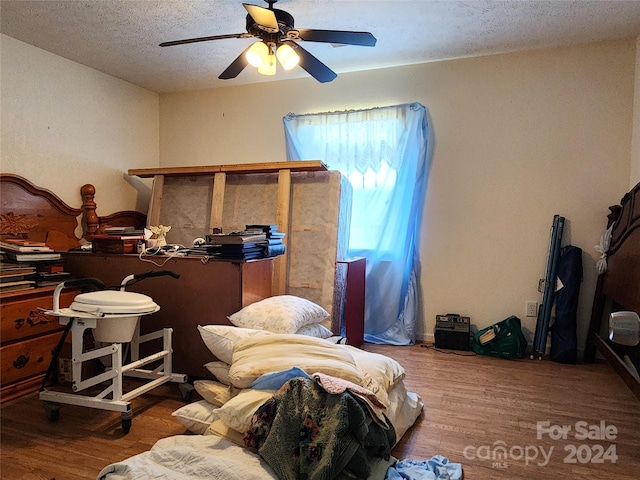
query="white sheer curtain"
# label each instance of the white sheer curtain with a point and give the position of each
(385, 153)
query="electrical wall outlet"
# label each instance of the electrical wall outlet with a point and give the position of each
(532, 309)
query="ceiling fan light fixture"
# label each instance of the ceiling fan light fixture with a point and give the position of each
(257, 54)
(268, 67)
(287, 56)
(274, 28)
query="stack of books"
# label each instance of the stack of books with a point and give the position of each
(16, 277)
(273, 245)
(243, 237)
(255, 241)
(243, 245)
(129, 231)
(17, 250)
(51, 274)
(27, 264)
(117, 240)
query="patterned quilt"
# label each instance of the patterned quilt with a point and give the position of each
(306, 433)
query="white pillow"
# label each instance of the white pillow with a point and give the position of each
(256, 356)
(316, 330)
(197, 416)
(385, 370)
(221, 429)
(238, 411)
(213, 392)
(220, 370)
(220, 339)
(279, 314)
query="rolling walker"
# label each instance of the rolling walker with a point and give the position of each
(114, 317)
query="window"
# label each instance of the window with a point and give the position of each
(385, 154)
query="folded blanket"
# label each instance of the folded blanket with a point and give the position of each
(191, 457)
(306, 432)
(338, 385)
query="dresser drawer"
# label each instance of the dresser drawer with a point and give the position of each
(24, 317)
(28, 358)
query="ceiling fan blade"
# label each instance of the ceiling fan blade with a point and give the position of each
(233, 70)
(313, 66)
(205, 39)
(364, 39)
(263, 17)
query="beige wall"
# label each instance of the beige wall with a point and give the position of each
(64, 125)
(519, 138)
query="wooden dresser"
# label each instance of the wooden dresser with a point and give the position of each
(28, 338)
(207, 292)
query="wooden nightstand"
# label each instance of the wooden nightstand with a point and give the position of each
(28, 338)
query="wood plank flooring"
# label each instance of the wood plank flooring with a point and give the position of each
(473, 405)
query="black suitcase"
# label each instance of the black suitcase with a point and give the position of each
(564, 342)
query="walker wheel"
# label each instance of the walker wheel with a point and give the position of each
(186, 390)
(125, 421)
(52, 410)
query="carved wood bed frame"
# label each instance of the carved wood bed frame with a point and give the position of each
(619, 288)
(28, 211)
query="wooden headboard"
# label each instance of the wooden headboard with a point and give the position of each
(28, 211)
(619, 287)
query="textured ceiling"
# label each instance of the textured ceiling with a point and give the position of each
(121, 37)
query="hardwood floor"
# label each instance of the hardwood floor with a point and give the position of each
(473, 405)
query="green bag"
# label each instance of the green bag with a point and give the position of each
(503, 339)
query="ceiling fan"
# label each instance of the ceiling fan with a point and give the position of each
(279, 39)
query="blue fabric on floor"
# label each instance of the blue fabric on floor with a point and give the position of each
(275, 380)
(437, 468)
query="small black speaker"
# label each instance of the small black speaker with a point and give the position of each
(452, 332)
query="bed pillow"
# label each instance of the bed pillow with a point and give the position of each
(279, 314)
(256, 356)
(214, 392)
(220, 339)
(239, 410)
(385, 370)
(316, 330)
(197, 416)
(220, 370)
(221, 429)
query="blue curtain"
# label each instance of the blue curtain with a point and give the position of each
(385, 153)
